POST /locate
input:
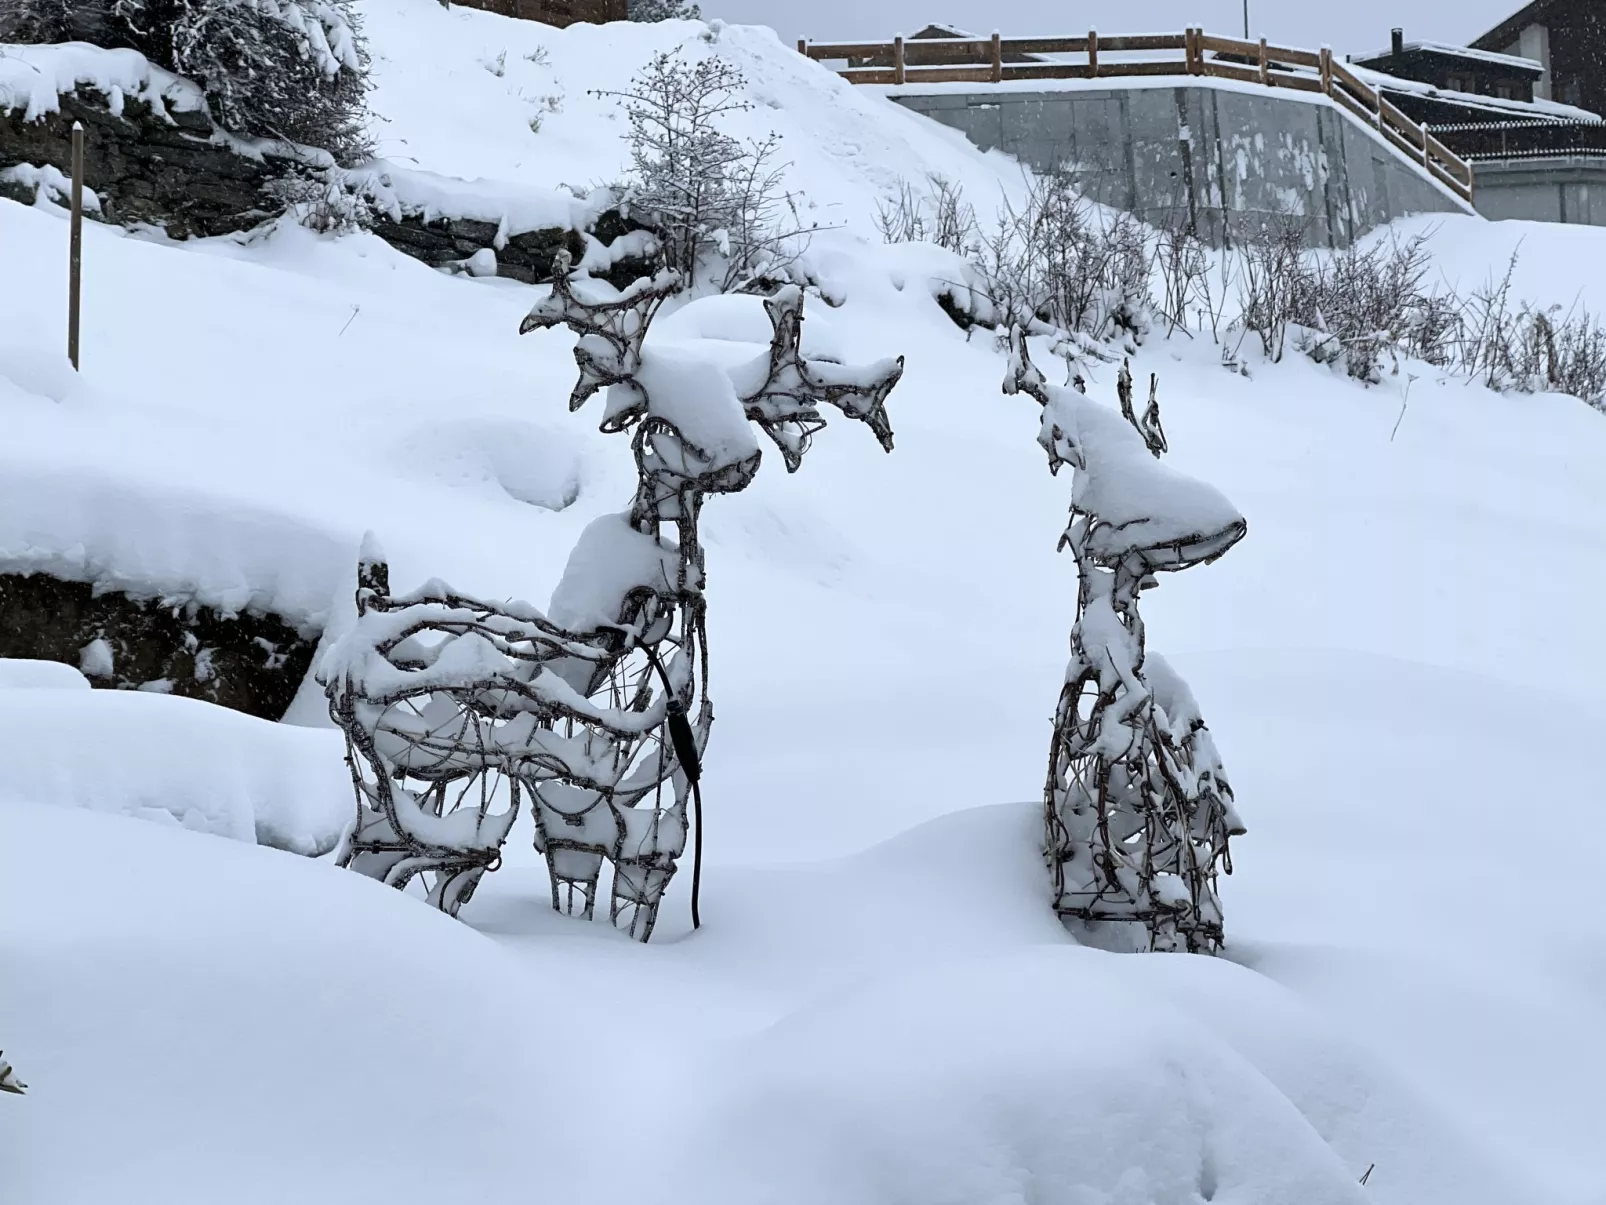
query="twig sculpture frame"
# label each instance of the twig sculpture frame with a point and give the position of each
(1137, 807)
(597, 711)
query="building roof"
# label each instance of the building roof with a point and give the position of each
(1509, 62)
(1511, 28)
(1547, 110)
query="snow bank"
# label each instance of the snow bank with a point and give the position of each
(975, 1083)
(165, 541)
(176, 761)
(34, 78)
(894, 1026)
(22, 674)
(516, 208)
(48, 184)
(215, 1020)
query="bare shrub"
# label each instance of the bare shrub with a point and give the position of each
(940, 215)
(1184, 266)
(1272, 280)
(1362, 303)
(1364, 308)
(1059, 263)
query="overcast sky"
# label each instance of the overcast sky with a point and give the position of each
(1348, 26)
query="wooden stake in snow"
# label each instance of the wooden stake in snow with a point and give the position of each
(76, 255)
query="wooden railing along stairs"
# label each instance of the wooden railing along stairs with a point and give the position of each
(998, 59)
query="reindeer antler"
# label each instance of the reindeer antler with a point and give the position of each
(1151, 430)
(611, 330)
(782, 392)
(1058, 435)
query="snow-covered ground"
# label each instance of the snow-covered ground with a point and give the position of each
(880, 1007)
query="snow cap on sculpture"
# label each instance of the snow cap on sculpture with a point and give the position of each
(1135, 506)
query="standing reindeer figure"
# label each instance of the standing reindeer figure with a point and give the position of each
(598, 710)
(1137, 807)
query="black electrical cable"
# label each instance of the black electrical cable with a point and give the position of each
(685, 744)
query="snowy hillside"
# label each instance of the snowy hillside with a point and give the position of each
(880, 1006)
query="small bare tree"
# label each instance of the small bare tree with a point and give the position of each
(718, 204)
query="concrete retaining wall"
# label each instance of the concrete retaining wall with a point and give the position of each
(1229, 162)
(1542, 190)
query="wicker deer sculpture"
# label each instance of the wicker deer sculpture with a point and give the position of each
(1137, 807)
(456, 709)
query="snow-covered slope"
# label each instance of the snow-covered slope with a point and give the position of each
(458, 93)
(1401, 664)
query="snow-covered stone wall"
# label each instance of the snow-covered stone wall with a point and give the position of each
(154, 156)
(1223, 158)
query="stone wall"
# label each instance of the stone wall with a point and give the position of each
(251, 663)
(1226, 162)
(1563, 189)
(184, 176)
(145, 169)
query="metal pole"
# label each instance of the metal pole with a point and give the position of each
(1246, 20)
(75, 257)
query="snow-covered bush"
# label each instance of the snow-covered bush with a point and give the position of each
(290, 70)
(1054, 263)
(664, 10)
(327, 200)
(1527, 347)
(719, 205)
(1071, 264)
(1363, 307)
(41, 22)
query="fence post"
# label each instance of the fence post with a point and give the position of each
(1265, 65)
(1093, 54)
(1327, 71)
(75, 254)
(897, 59)
(1190, 49)
(998, 58)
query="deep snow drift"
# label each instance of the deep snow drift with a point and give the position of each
(1415, 959)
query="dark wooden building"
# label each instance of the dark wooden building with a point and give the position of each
(915, 55)
(554, 12)
(1568, 40)
(1457, 68)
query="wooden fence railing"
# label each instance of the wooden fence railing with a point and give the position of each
(997, 59)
